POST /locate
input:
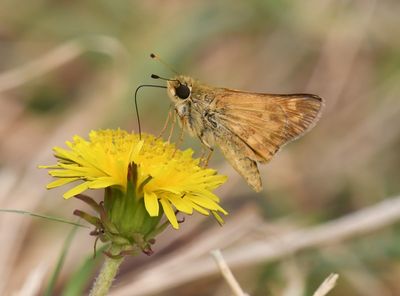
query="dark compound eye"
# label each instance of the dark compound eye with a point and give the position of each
(182, 91)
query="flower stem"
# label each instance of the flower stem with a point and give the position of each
(107, 273)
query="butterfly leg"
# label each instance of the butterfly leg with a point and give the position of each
(166, 123)
(203, 154)
(203, 158)
(210, 152)
(171, 131)
(180, 140)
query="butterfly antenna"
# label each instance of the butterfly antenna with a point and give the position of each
(156, 57)
(154, 76)
(136, 105)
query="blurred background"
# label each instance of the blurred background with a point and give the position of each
(67, 67)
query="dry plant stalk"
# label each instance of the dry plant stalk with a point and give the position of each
(227, 273)
(327, 285)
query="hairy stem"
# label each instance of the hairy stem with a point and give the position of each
(107, 273)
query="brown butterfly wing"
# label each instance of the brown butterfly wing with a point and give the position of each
(265, 122)
(237, 153)
(257, 125)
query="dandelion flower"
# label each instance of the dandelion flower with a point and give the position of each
(166, 179)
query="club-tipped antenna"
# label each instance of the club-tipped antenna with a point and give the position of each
(156, 57)
(136, 105)
(154, 76)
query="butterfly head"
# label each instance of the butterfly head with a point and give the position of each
(180, 88)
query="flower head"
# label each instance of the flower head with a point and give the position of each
(163, 175)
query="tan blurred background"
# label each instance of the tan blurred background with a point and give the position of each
(67, 67)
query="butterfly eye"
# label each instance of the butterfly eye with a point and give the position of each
(182, 91)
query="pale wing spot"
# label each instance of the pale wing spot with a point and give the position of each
(292, 105)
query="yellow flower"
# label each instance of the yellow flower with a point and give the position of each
(165, 176)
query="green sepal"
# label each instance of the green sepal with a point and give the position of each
(89, 201)
(88, 218)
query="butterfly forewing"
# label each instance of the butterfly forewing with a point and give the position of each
(265, 122)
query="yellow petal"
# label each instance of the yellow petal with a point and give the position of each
(136, 150)
(200, 209)
(218, 218)
(48, 166)
(67, 155)
(76, 190)
(208, 194)
(205, 202)
(170, 189)
(169, 212)
(65, 174)
(151, 203)
(181, 204)
(60, 182)
(102, 182)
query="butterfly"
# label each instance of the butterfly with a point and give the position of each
(248, 127)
